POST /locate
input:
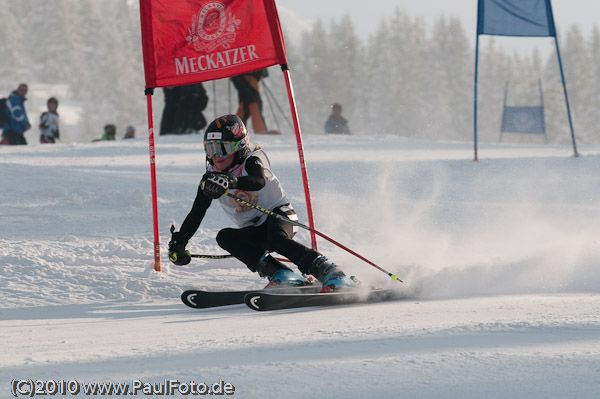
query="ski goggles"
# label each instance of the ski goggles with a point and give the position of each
(222, 148)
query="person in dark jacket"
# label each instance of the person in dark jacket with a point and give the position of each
(190, 104)
(336, 123)
(17, 123)
(110, 131)
(183, 109)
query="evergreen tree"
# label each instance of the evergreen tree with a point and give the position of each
(409, 42)
(376, 94)
(493, 78)
(344, 72)
(314, 85)
(401, 81)
(557, 123)
(593, 98)
(456, 63)
(578, 74)
(15, 65)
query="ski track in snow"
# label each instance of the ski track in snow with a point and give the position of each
(500, 258)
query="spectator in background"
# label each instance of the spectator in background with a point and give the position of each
(49, 123)
(336, 123)
(190, 104)
(110, 131)
(182, 113)
(129, 132)
(16, 123)
(249, 98)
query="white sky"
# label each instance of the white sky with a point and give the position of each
(367, 15)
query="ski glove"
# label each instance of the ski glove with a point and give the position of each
(216, 184)
(177, 251)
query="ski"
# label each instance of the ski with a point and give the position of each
(263, 301)
(199, 299)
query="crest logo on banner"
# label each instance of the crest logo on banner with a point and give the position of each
(191, 41)
(212, 28)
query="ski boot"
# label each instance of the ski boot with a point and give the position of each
(332, 278)
(278, 274)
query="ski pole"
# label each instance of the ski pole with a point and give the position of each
(223, 256)
(331, 240)
(204, 256)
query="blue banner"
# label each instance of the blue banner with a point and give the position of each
(523, 120)
(515, 18)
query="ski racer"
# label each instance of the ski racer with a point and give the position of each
(236, 166)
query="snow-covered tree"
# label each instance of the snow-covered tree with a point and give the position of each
(407, 78)
(578, 73)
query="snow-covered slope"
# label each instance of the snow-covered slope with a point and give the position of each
(500, 257)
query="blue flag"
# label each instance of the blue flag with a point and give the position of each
(523, 120)
(515, 18)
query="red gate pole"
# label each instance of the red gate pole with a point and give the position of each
(151, 146)
(290, 90)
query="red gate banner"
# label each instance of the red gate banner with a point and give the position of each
(192, 41)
